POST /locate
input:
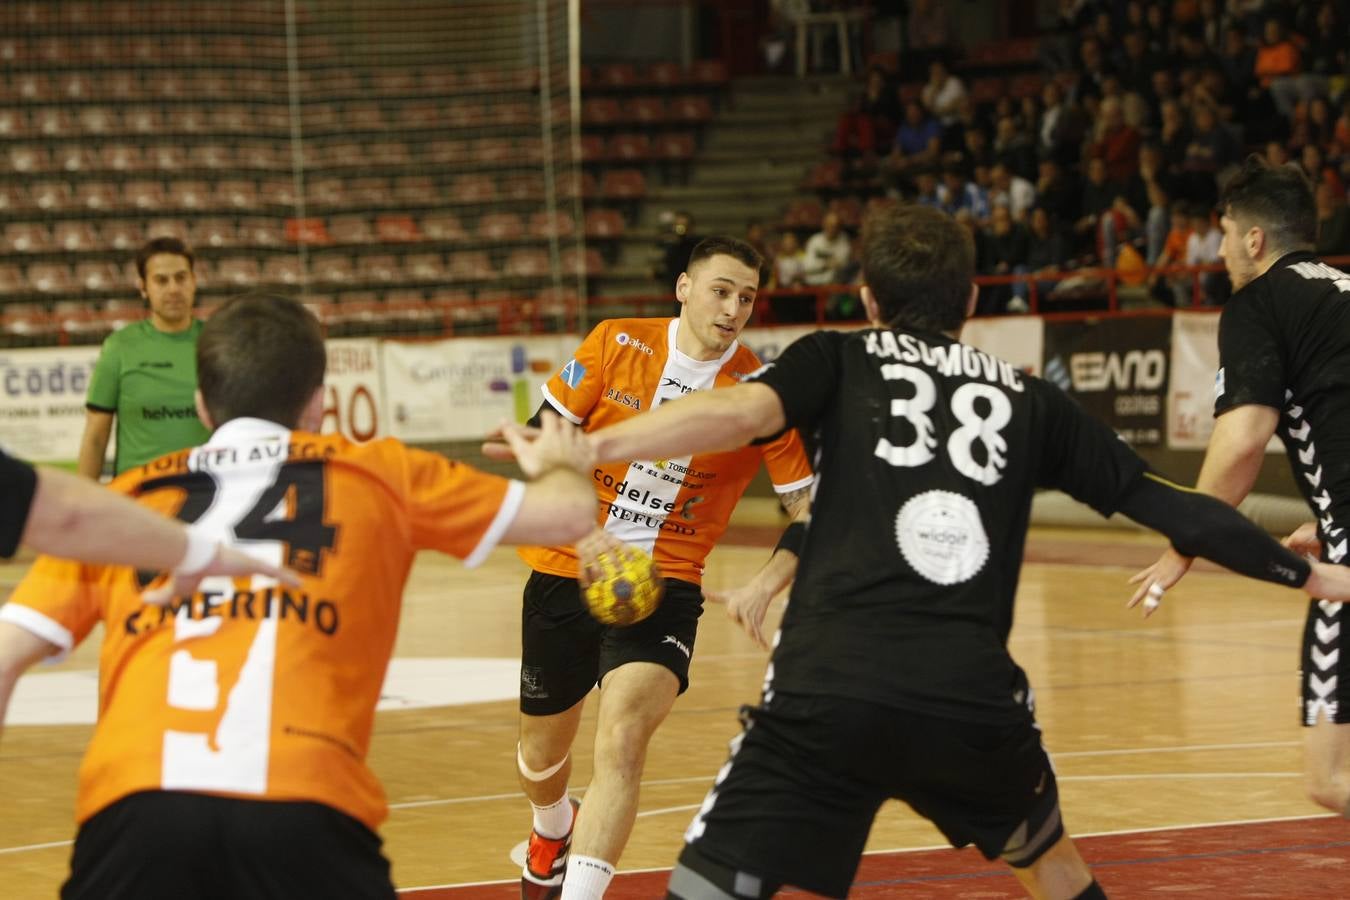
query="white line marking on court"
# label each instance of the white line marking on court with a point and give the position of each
(1186, 748)
(669, 809)
(27, 847)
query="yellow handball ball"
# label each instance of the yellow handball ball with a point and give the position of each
(628, 588)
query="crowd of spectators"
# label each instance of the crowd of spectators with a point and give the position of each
(1116, 153)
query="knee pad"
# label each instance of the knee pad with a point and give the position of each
(544, 775)
(1036, 835)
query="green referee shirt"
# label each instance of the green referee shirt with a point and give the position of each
(146, 378)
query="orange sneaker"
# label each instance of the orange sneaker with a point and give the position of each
(546, 864)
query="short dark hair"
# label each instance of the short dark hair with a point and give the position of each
(737, 249)
(260, 355)
(919, 263)
(1277, 199)
(156, 246)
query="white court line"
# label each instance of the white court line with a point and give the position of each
(26, 847)
(1186, 748)
(1186, 827)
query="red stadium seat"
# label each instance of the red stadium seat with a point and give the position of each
(122, 235)
(629, 148)
(691, 109)
(600, 111)
(50, 278)
(351, 154)
(440, 81)
(166, 158)
(665, 75)
(213, 157)
(351, 230)
(624, 184)
(263, 155)
(570, 185)
(500, 227)
(97, 196)
(282, 270)
(238, 272)
(556, 224)
(398, 82)
(526, 263)
(123, 86)
(235, 118)
(11, 282)
(709, 72)
(448, 153)
(417, 114)
(31, 87)
(443, 226)
(645, 110)
(189, 119)
(602, 224)
(75, 236)
(209, 84)
(310, 230)
(593, 148)
(471, 265)
(615, 76)
(147, 195)
(460, 114)
(675, 146)
(396, 229)
(27, 237)
(13, 124)
(513, 114)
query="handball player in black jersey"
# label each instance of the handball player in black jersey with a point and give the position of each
(891, 676)
(1284, 368)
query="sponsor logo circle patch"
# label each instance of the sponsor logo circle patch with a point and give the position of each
(941, 536)
(621, 338)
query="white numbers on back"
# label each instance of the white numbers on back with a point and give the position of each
(961, 444)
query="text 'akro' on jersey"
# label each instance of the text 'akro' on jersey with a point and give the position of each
(930, 451)
(249, 689)
(675, 509)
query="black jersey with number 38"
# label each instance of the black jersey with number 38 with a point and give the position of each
(930, 451)
(1284, 342)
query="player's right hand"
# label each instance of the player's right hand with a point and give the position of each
(554, 445)
(227, 561)
(1304, 541)
(495, 445)
(589, 549)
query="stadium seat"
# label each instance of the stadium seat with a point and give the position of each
(443, 226)
(492, 152)
(614, 76)
(11, 282)
(513, 114)
(364, 116)
(189, 119)
(544, 224)
(603, 224)
(473, 189)
(191, 196)
(524, 186)
(261, 232)
(51, 196)
(349, 154)
(709, 73)
(470, 265)
(31, 87)
(142, 120)
(628, 148)
(326, 193)
(213, 157)
(416, 190)
(237, 194)
(623, 184)
(309, 230)
(50, 278)
(645, 111)
(13, 124)
(501, 226)
(526, 263)
(417, 114)
(122, 235)
(123, 86)
(368, 192)
(665, 75)
(27, 237)
(174, 228)
(461, 114)
(277, 192)
(263, 155)
(447, 152)
(674, 146)
(381, 268)
(208, 84)
(213, 233)
(396, 229)
(691, 109)
(97, 121)
(570, 185)
(600, 112)
(234, 118)
(238, 272)
(143, 194)
(122, 158)
(96, 277)
(440, 81)
(166, 158)
(14, 199)
(593, 148)
(429, 267)
(332, 269)
(590, 258)
(351, 230)
(396, 82)
(27, 159)
(390, 153)
(73, 158)
(75, 236)
(282, 270)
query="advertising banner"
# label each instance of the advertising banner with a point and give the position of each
(1117, 369)
(462, 388)
(353, 402)
(42, 394)
(1019, 340)
(1195, 361)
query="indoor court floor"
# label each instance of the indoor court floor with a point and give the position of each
(1176, 739)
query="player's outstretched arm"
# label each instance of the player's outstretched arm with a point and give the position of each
(559, 503)
(72, 518)
(19, 650)
(1232, 461)
(704, 422)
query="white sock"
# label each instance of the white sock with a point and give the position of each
(587, 878)
(555, 820)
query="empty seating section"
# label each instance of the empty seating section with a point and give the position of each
(398, 185)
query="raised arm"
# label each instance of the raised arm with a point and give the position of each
(704, 422)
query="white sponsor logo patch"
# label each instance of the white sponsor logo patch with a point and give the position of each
(941, 536)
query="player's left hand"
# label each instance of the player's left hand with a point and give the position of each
(1304, 541)
(1157, 579)
(495, 445)
(589, 549)
(228, 562)
(746, 606)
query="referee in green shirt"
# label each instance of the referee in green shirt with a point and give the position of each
(147, 372)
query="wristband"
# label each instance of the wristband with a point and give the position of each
(201, 549)
(793, 538)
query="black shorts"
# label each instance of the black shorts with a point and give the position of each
(807, 775)
(565, 652)
(167, 845)
(1326, 663)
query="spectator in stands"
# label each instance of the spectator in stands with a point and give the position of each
(789, 264)
(1138, 63)
(1276, 154)
(1116, 143)
(1140, 211)
(871, 118)
(1060, 128)
(1237, 60)
(1012, 191)
(1004, 248)
(1312, 124)
(1048, 251)
(944, 93)
(927, 36)
(1333, 221)
(977, 151)
(146, 373)
(1277, 63)
(1058, 191)
(1174, 133)
(918, 139)
(1099, 195)
(757, 236)
(957, 192)
(1014, 148)
(1094, 67)
(1325, 55)
(1313, 162)
(1212, 148)
(1173, 289)
(1202, 249)
(827, 252)
(927, 190)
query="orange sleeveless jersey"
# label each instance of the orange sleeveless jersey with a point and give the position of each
(675, 509)
(250, 690)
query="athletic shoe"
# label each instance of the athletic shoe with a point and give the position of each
(546, 864)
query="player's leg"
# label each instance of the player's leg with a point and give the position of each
(560, 646)
(1059, 873)
(1326, 704)
(643, 668)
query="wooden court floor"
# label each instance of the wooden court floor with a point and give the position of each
(1188, 718)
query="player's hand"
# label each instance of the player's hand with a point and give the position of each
(589, 549)
(228, 562)
(555, 444)
(496, 447)
(1304, 541)
(1158, 578)
(746, 606)
(1329, 581)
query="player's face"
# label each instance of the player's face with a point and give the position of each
(1233, 251)
(171, 288)
(718, 297)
